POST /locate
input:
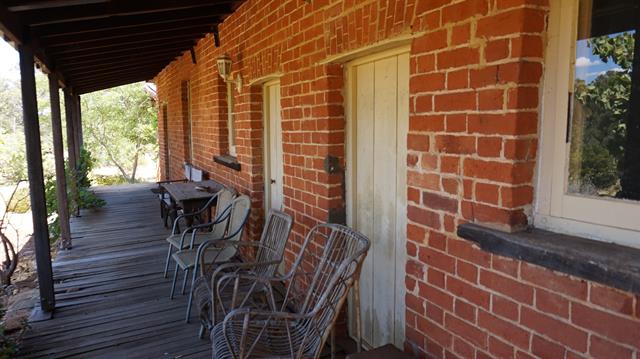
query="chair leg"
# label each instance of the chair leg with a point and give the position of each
(202, 331)
(184, 280)
(174, 215)
(166, 265)
(333, 343)
(356, 287)
(165, 215)
(173, 285)
(193, 280)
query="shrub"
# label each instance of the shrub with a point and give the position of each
(86, 198)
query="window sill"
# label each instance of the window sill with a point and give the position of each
(607, 263)
(227, 161)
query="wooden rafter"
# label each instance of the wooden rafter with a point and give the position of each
(84, 42)
(117, 8)
(201, 25)
(132, 41)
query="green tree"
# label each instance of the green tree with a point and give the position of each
(13, 165)
(10, 105)
(605, 103)
(120, 127)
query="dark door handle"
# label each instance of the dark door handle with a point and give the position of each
(273, 181)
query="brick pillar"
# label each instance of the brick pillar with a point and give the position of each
(475, 78)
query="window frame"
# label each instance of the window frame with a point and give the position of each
(231, 138)
(603, 219)
(190, 119)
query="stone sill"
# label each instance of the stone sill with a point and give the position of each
(607, 263)
(227, 161)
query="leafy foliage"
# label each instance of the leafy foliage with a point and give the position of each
(86, 163)
(12, 147)
(109, 180)
(121, 124)
(12, 162)
(598, 166)
(617, 48)
(86, 198)
(605, 102)
(120, 127)
(52, 208)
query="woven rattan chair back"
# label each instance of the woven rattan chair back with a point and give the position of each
(272, 241)
(317, 285)
(329, 262)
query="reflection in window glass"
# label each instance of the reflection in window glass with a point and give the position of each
(605, 123)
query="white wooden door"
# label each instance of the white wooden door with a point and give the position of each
(273, 145)
(378, 104)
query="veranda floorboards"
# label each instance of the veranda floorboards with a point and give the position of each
(112, 301)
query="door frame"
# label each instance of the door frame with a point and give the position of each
(266, 142)
(350, 182)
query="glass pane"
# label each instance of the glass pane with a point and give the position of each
(605, 117)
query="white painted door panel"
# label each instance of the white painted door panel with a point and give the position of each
(380, 118)
(275, 160)
(364, 213)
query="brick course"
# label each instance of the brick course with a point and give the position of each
(476, 70)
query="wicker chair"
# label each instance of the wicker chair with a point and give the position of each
(316, 288)
(236, 215)
(268, 255)
(176, 240)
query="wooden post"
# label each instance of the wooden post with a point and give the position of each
(80, 138)
(71, 148)
(77, 129)
(58, 151)
(76, 126)
(36, 179)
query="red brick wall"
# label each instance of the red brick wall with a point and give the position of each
(474, 97)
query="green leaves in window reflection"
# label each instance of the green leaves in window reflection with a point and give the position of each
(599, 120)
(618, 48)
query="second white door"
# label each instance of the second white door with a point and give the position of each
(273, 145)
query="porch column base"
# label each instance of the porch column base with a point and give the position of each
(39, 315)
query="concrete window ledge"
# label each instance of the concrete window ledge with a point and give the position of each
(607, 263)
(227, 161)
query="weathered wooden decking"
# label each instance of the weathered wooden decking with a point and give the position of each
(112, 301)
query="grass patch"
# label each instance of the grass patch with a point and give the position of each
(101, 180)
(21, 202)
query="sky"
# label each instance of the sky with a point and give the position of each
(8, 61)
(588, 65)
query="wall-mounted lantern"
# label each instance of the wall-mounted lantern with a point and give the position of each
(224, 69)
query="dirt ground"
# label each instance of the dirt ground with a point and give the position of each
(19, 298)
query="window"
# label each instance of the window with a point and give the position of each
(187, 125)
(190, 122)
(167, 150)
(589, 178)
(230, 119)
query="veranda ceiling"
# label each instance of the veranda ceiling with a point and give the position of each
(96, 44)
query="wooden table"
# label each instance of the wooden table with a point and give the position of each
(190, 198)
